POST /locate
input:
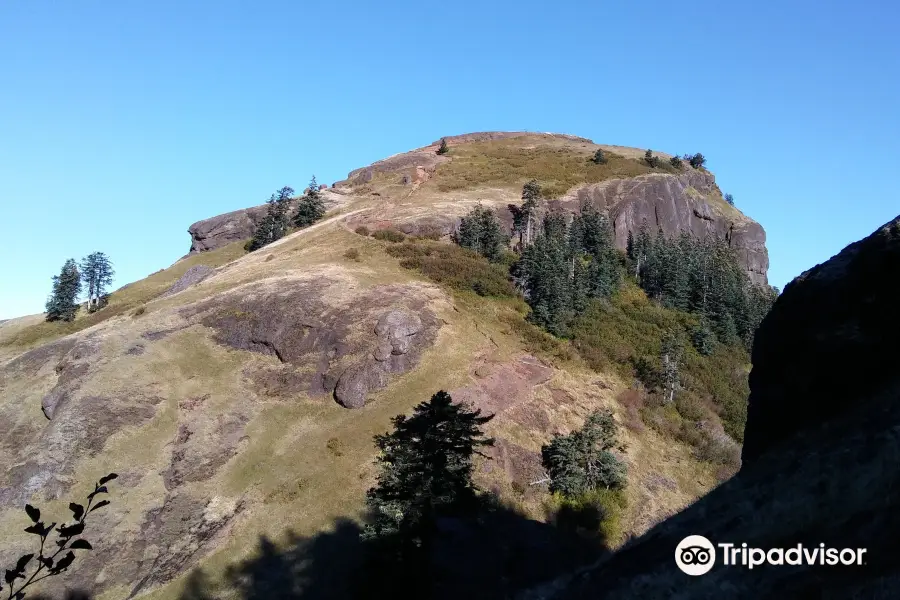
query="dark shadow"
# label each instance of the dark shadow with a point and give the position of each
(492, 555)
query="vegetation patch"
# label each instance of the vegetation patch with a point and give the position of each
(506, 163)
(389, 235)
(455, 267)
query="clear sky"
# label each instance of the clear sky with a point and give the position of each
(121, 123)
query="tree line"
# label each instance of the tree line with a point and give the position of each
(94, 272)
(279, 218)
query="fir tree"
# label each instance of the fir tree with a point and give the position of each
(97, 274)
(583, 461)
(443, 148)
(62, 305)
(480, 231)
(425, 472)
(599, 158)
(311, 207)
(275, 223)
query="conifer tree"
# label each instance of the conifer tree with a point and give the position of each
(651, 160)
(275, 223)
(675, 161)
(443, 148)
(531, 195)
(697, 160)
(96, 274)
(583, 461)
(480, 231)
(62, 305)
(425, 472)
(599, 158)
(311, 207)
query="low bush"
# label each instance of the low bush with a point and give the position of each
(139, 311)
(597, 512)
(456, 267)
(352, 254)
(389, 235)
(362, 230)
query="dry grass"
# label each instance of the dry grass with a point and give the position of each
(510, 163)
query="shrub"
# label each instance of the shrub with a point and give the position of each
(632, 401)
(676, 162)
(389, 235)
(430, 232)
(597, 511)
(362, 230)
(454, 266)
(352, 254)
(443, 149)
(729, 199)
(139, 311)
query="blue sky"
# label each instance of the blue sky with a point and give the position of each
(123, 123)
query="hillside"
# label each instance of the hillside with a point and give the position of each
(239, 407)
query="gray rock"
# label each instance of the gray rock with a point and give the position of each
(396, 327)
(192, 276)
(354, 385)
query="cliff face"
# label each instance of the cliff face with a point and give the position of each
(821, 450)
(690, 201)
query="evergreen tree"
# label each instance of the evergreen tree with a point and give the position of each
(547, 272)
(443, 149)
(582, 461)
(97, 274)
(425, 472)
(480, 231)
(729, 199)
(697, 160)
(311, 207)
(599, 158)
(531, 195)
(676, 162)
(62, 305)
(275, 223)
(650, 159)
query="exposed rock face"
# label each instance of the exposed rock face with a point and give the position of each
(821, 449)
(301, 330)
(829, 343)
(690, 202)
(192, 276)
(237, 225)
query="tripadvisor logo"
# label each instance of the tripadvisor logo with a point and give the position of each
(696, 555)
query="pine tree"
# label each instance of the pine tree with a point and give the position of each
(311, 207)
(97, 274)
(425, 472)
(443, 149)
(582, 461)
(62, 305)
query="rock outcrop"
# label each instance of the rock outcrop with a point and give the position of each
(690, 201)
(237, 225)
(821, 451)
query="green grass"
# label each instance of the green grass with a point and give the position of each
(506, 163)
(126, 298)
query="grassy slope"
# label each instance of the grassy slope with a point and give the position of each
(121, 301)
(556, 165)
